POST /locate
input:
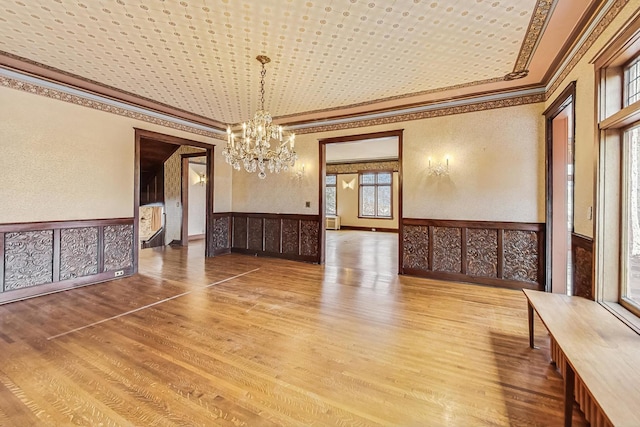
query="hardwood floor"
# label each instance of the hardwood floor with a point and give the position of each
(244, 341)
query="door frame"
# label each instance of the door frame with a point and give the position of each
(567, 96)
(322, 170)
(184, 195)
(141, 134)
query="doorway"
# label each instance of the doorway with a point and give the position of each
(193, 172)
(361, 200)
(152, 150)
(560, 145)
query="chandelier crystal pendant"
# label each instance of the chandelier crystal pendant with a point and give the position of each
(253, 149)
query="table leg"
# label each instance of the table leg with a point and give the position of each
(530, 313)
(569, 383)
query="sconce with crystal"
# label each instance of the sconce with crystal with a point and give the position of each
(438, 169)
(299, 173)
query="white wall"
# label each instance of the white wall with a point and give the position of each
(497, 169)
(62, 161)
(197, 200)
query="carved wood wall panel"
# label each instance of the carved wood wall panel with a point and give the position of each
(520, 255)
(240, 232)
(255, 234)
(482, 252)
(582, 259)
(447, 249)
(78, 252)
(290, 237)
(43, 257)
(415, 243)
(118, 247)
(272, 235)
(309, 238)
(219, 240)
(503, 254)
(28, 259)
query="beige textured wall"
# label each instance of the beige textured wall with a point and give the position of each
(497, 169)
(61, 161)
(348, 204)
(585, 136)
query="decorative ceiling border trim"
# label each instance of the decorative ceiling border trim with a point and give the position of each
(583, 45)
(435, 112)
(539, 20)
(33, 85)
(47, 73)
(391, 98)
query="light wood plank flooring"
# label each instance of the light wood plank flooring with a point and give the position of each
(245, 341)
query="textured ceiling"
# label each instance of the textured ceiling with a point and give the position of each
(199, 55)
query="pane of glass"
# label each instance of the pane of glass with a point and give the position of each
(384, 178)
(631, 290)
(384, 201)
(367, 201)
(332, 179)
(632, 75)
(368, 178)
(331, 201)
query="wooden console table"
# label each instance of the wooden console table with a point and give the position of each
(597, 354)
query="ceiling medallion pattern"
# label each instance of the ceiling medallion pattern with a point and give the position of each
(194, 55)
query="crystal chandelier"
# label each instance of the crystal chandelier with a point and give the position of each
(253, 150)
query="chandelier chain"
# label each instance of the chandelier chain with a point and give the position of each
(263, 73)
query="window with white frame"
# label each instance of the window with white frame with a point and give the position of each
(376, 194)
(617, 229)
(331, 195)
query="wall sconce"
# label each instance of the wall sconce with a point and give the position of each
(350, 185)
(439, 169)
(202, 179)
(299, 174)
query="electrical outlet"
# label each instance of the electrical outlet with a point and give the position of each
(119, 273)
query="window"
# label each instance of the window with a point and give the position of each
(375, 194)
(617, 227)
(331, 195)
(632, 83)
(630, 292)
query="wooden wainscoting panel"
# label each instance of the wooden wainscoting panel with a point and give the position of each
(503, 254)
(520, 255)
(415, 242)
(28, 259)
(290, 237)
(447, 249)
(482, 252)
(44, 257)
(118, 247)
(582, 260)
(255, 236)
(239, 232)
(220, 241)
(272, 235)
(78, 252)
(309, 235)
